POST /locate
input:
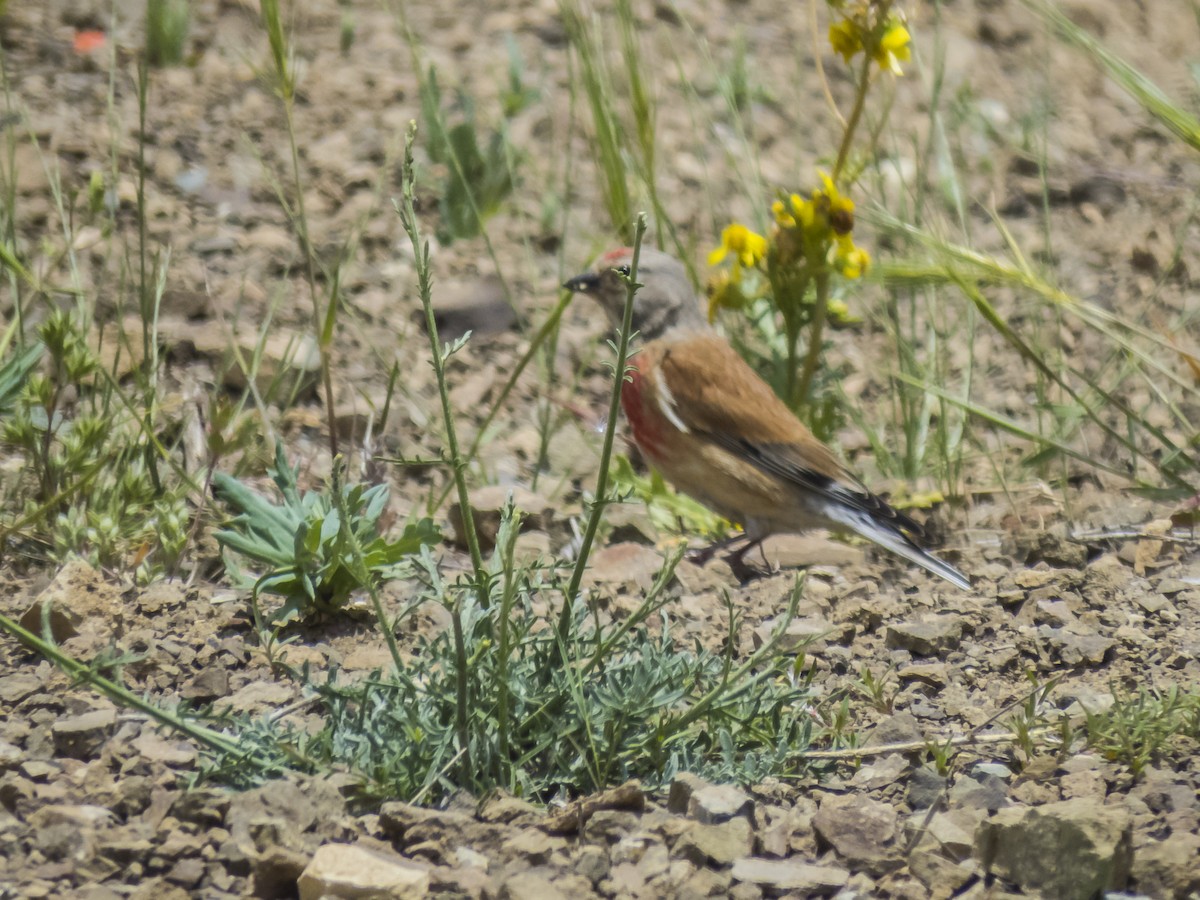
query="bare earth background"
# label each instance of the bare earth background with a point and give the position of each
(1106, 616)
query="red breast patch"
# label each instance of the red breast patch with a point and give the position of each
(645, 422)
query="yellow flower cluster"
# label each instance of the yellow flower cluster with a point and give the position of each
(810, 234)
(827, 218)
(888, 42)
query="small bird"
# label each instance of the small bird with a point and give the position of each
(713, 428)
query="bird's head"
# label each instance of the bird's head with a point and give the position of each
(666, 300)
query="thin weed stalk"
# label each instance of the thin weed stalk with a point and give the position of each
(548, 329)
(606, 143)
(361, 570)
(324, 321)
(600, 498)
(438, 128)
(117, 692)
(458, 463)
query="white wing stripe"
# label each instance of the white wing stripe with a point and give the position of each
(666, 402)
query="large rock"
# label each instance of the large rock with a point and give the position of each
(862, 831)
(1072, 850)
(1169, 868)
(348, 870)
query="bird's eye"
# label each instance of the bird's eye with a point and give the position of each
(624, 270)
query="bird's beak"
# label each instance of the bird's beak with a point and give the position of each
(582, 284)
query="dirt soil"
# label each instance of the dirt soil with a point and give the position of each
(92, 798)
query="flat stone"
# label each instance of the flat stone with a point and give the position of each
(941, 876)
(810, 633)
(881, 772)
(76, 815)
(478, 306)
(955, 831)
(800, 551)
(934, 674)
(924, 788)
(259, 694)
(351, 871)
(505, 809)
(928, 638)
(709, 803)
(715, 844)
(532, 845)
(157, 749)
(10, 756)
(632, 566)
(76, 599)
(82, 736)
(16, 687)
(487, 507)
(186, 872)
(1078, 649)
(211, 684)
(790, 875)
(1073, 849)
(898, 728)
(979, 790)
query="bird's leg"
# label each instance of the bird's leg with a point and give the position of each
(738, 557)
(703, 555)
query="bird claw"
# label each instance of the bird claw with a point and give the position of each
(736, 559)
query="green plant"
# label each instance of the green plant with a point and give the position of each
(1139, 728)
(479, 169)
(303, 544)
(627, 702)
(86, 487)
(14, 372)
(167, 23)
(810, 250)
(880, 691)
(668, 510)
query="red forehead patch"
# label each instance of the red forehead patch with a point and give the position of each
(616, 254)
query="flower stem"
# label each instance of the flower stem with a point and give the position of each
(860, 102)
(815, 335)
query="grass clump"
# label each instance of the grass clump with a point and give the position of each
(91, 483)
(545, 719)
(1142, 727)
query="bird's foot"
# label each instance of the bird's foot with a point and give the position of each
(736, 559)
(743, 570)
(703, 555)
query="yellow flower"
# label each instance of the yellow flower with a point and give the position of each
(845, 39)
(783, 218)
(894, 48)
(724, 292)
(850, 260)
(746, 246)
(839, 313)
(796, 211)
